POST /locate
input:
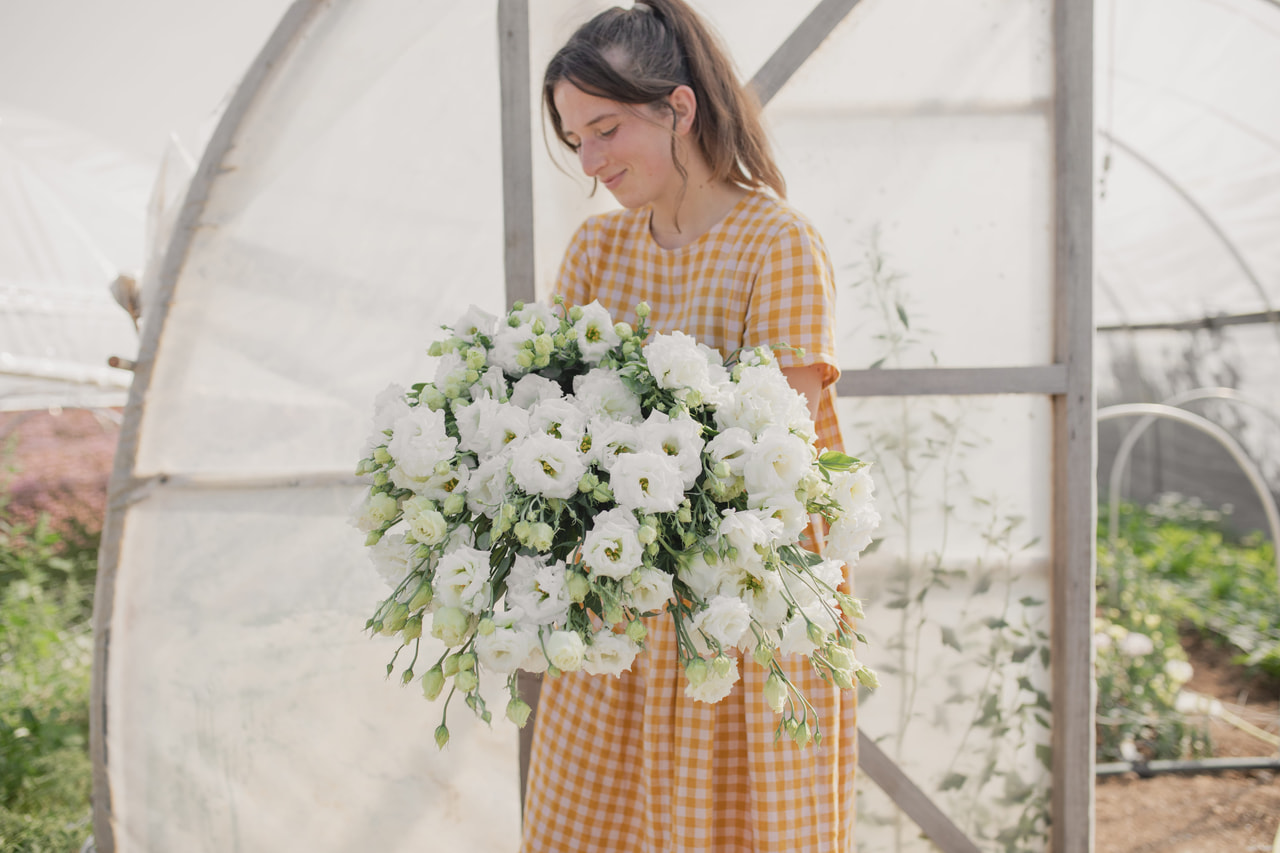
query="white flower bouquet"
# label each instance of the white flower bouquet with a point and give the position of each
(561, 478)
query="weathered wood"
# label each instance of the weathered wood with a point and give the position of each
(517, 149)
(293, 23)
(907, 795)
(1075, 502)
(529, 688)
(799, 46)
(1044, 379)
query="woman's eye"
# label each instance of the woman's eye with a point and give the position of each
(605, 134)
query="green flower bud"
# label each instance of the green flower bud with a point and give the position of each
(722, 664)
(381, 456)
(637, 631)
(451, 665)
(553, 671)
(475, 358)
(518, 712)
(868, 678)
(578, 587)
(575, 313)
(442, 736)
(467, 661)
(840, 658)
(432, 683)
(850, 606)
(539, 327)
(602, 493)
(422, 595)
(516, 306)
(763, 653)
(588, 483)
(372, 538)
(613, 614)
(642, 310)
(412, 629)
(685, 513)
(407, 676)
(472, 377)
(558, 340)
(696, 671)
(817, 636)
(486, 627)
(450, 625)
(648, 534)
(454, 504)
(381, 478)
(623, 330)
(842, 679)
(466, 680)
(541, 536)
(775, 693)
(432, 399)
(802, 735)
(393, 620)
(524, 359)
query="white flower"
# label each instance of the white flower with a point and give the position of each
(505, 649)
(538, 591)
(1179, 671)
(725, 620)
(471, 419)
(372, 511)
(451, 374)
(679, 438)
(651, 593)
(532, 389)
(647, 481)
(762, 592)
(685, 367)
(428, 525)
(559, 418)
(610, 654)
(451, 625)
(507, 343)
(762, 398)
(1136, 645)
(445, 481)
(795, 634)
(488, 486)
(492, 382)
(853, 491)
(703, 578)
(715, 687)
(609, 439)
(476, 321)
(731, 447)
(392, 558)
(612, 547)
(851, 534)
(543, 465)
(595, 333)
(776, 463)
(749, 532)
(462, 580)
(388, 407)
(419, 442)
(1102, 641)
(565, 650)
(602, 393)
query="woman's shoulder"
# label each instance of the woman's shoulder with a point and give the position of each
(770, 218)
(606, 228)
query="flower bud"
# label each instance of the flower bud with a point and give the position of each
(722, 664)
(412, 628)
(817, 636)
(466, 680)
(466, 661)
(518, 712)
(486, 627)
(647, 534)
(454, 504)
(518, 305)
(393, 620)
(539, 328)
(451, 665)
(442, 736)
(840, 658)
(602, 493)
(373, 537)
(543, 345)
(642, 310)
(524, 359)
(637, 631)
(450, 625)
(541, 536)
(842, 679)
(696, 671)
(381, 478)
(613, 614)
(851, 606)
(867, 678)
(623, 330)
(802, 734)
(575, 313)
(435, 350)
(381, 456)
(475, 358)
(432, 398)
(763, 653)
(578, 587)
(432, 683)
(685, 513)
(775, 692)
(422, 595)
(407, 676)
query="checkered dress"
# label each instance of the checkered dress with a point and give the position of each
(631, 763)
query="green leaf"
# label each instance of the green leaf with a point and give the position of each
(1022, 653)
(949, 638)
(1029, 601)
(833, 461)
(1045, 753)
(878, 362)
(898, 604)
(902, 315)
(953, 782)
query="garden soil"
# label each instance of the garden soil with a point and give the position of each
(58, 464)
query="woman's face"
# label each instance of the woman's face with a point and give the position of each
(626, 148)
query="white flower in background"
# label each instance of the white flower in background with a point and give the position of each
(372, 511)
(531, 389)
(462, 580)
(602, 393)
(595, 333)
(1178, 671)
(392, 558)
(679, 438)
(612, 547)
(420, 442)
(725, 620)
(488, 486)
(610, 439)
(651, 593)
(504, 649)
(476, 321)
(559, 418)
(543, 465)
(1102, 641)
(538, 590)
(683, 366)
(451, 374)
(535, 311)
(647, 481)
(1136, 645)
(565, 650)
(716, 686)
(732, 448)
(776, 463)
(609, 654)
(425, 521)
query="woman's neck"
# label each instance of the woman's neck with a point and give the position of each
(705, 202)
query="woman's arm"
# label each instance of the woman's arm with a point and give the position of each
(808, 381)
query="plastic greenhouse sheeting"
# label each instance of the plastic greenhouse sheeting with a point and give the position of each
(359, 204)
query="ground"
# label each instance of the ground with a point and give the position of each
(61, 463)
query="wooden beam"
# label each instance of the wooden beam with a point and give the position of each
(517, 149)
(1074, 441)
(1045, 379)
(799, 46)
(908, 797)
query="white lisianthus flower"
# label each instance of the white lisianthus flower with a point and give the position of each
(732, 448)
(388, 407)
(610, 654)
(776, 463)
(602, 393)
(685, 367)
(1178, 671)
(393, 558)
(538, 591)
(852, 490)
(716, 686)
(508, 424)
(725, 620)
(440, 485)
(425, 521)
(762, 398)
(559, 418)
(610, 439)
(612, 547)
(795, 634)
(534, 311)
(462, 580)
(451, 374)
(373, 510)
(507, 343)
(532, 389)
(565, 650)
(492, 382)
(543, 465)
(679, 438)
(595, 333)
(850, 534)
(763, 594)
(419, 442)
(488, 486)
(476, 321)
(789, 511)
(749, 531)
(647, 481)
(505, 649)
(470, 419)
(702, 577)
(651, 592)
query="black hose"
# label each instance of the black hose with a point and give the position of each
(1147, 769)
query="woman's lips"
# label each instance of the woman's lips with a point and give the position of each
(613, 180)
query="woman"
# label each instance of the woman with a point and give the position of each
(650, 103)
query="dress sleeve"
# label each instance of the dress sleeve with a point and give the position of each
(793, 301)
(574, 281)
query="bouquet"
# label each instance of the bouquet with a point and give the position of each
(564, 476)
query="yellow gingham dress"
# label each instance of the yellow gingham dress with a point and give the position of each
(631, 763)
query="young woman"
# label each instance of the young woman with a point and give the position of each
(650, 103)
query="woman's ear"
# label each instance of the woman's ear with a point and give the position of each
(684, 105)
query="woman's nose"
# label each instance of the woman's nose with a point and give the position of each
(591, 158)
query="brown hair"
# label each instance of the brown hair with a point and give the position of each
(655, 47)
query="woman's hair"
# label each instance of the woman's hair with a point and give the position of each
(640, 55)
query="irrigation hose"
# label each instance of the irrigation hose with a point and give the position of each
(1147, 769)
